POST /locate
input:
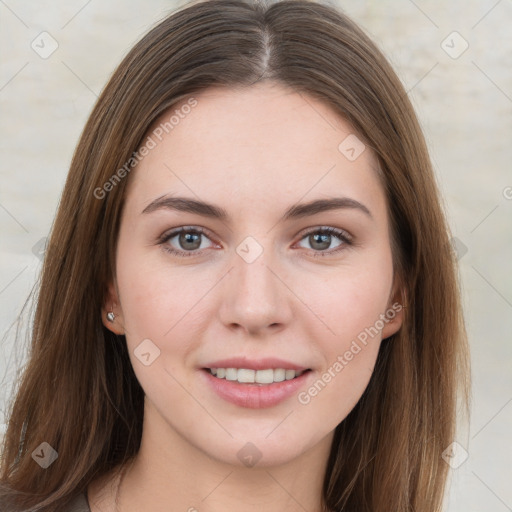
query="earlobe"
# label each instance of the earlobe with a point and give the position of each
(394, 319)
(111, 312)
(395, 312)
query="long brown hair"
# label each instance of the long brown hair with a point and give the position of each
(79, 393)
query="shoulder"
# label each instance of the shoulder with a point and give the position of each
(79, 504)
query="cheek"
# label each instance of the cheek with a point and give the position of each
(352, 302)
(349, 349)
(158, 306)
(351, 306)
(155, 297)
(332, 395)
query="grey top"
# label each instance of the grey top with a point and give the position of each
(79, 504)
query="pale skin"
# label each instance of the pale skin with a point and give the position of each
(254, 152)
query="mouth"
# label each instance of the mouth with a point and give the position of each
(263, 377)
(255, 388)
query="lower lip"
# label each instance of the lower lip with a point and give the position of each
(255, 396)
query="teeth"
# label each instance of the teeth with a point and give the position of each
(290, 374)
(279, 375)
(245, 375)
(231, 374)
(265, 376)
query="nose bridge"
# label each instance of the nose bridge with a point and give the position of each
(254, 297)
(252, 277)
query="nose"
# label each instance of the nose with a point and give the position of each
(255, 298)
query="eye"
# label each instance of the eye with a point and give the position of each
(188, 240)
(321, 238)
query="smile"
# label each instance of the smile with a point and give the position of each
(240, 386)
(249, 376)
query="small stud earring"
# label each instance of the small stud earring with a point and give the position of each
(111, 316)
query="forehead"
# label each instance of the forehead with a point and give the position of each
(264, 141)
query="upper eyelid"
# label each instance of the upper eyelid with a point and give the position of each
(176, 231)
(332, 231)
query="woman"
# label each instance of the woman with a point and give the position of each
(306, 350)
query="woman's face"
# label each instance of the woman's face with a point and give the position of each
(254, 282)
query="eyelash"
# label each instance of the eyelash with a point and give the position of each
(342, 235)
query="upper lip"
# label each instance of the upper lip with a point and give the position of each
(255, 364)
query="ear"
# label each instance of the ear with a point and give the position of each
(395, 311)
(111, 304)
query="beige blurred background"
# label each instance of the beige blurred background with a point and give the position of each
(455, 59)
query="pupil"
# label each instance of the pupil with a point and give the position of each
(324, 241)
(187, 238)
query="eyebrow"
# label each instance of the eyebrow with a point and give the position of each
(185, 204)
